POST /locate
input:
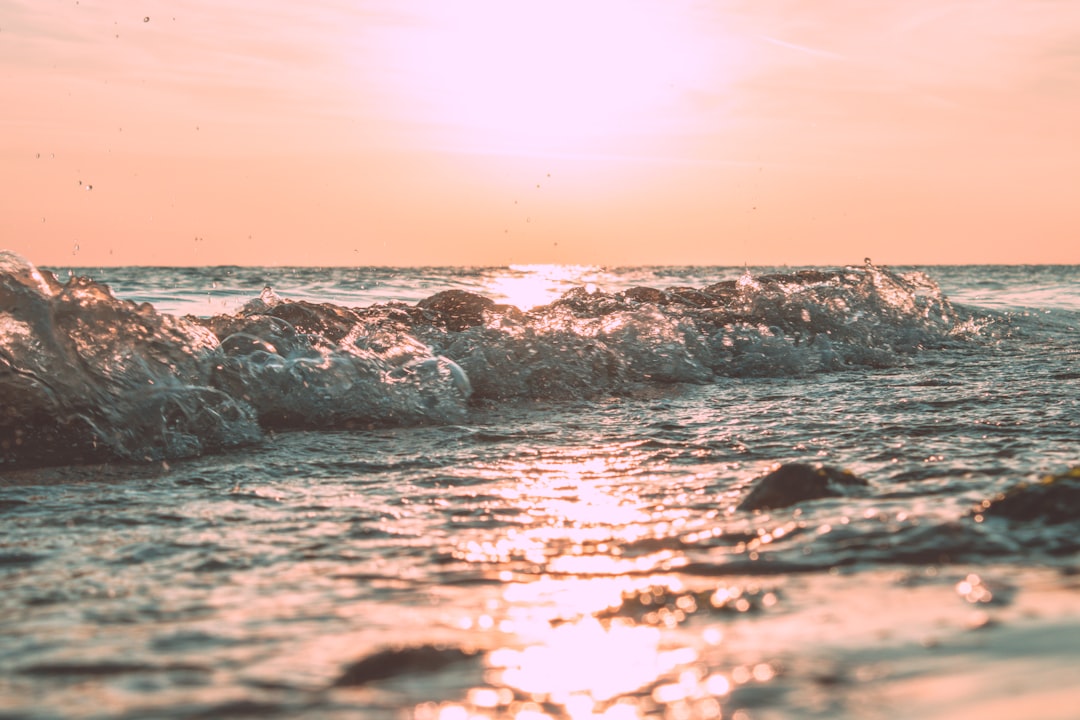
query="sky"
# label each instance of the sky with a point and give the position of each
(491, 132)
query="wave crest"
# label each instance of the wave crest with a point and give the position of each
(87, 376)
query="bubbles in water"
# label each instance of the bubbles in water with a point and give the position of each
(746, 280)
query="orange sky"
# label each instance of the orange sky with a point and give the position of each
(611, 132)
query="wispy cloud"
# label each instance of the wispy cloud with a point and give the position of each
(801, 48)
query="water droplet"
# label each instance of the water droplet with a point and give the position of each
(146, 19)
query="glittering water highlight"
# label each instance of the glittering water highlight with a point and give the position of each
(539, 492)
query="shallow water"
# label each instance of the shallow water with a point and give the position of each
(556, 543)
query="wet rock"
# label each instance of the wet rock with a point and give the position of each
(458, 310)
(330, 321)
(1053, 500)
(583, 304)
(393, 662)
(722, 289)
(795, 482)
(646, 295)
(692, 297)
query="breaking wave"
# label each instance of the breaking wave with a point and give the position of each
(86, 376)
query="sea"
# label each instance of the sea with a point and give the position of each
(537, 492)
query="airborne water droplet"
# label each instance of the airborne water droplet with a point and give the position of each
(268, 296)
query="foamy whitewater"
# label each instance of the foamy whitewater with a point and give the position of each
(539, 492)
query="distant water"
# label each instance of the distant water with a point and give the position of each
(539, 492)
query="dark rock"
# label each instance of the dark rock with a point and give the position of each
(456, 310)
(510, 311)
(692, 297)
(646, 295)
(584, 304)
(401, 661)
(330, 321)
(723, 292)
(796, 482)
(1053, 500)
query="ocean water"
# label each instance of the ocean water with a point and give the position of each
(539, 492)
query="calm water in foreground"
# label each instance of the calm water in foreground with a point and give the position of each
(332, 502)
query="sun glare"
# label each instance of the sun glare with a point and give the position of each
(529, 286)
(553, 77)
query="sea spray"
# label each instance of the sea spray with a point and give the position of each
(88, 376)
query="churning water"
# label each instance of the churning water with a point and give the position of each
(539, 492)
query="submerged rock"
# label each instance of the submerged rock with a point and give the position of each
(458, 310)
(393, 662)
(88, 377)
(330, 321)
(795, 482)
(1053, 500)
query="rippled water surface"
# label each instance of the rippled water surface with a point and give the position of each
(548, 549)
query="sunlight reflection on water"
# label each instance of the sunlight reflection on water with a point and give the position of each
(529, 286)
(583, 623)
